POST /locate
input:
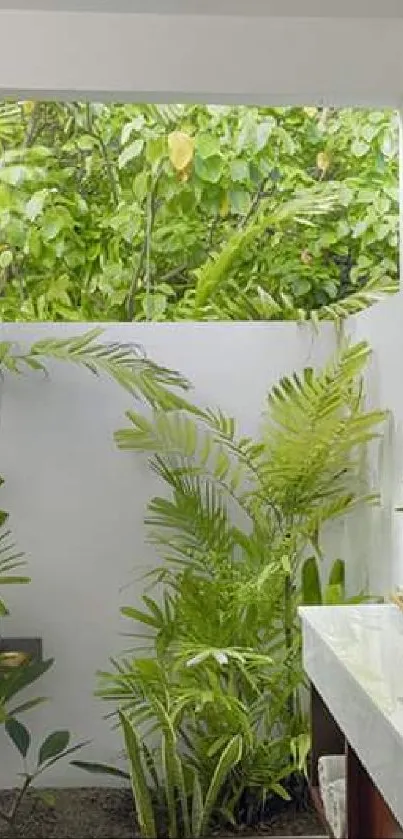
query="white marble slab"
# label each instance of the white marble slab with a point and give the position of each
(354, 657)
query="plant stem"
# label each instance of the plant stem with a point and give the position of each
(10, 818)
(110, 171)
(5, 816)
(151, 208)
(19, 799)
(289, 622)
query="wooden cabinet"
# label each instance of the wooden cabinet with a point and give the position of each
(368, 815)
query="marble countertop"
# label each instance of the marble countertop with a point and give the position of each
(354, 657)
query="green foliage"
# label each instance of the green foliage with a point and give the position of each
(10, 560)
(211, 711)
(121, 212)
(55, 747)
(124, 363)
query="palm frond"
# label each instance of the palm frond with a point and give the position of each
(11, 124)
(313, 427)
(124, 363)
(373, 292)
(196, 519)
(10, 560)
(311, 202)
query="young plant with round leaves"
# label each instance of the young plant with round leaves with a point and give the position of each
(55, 747)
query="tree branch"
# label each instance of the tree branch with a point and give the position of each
(151, 210)
(260, 194)
(113, 180)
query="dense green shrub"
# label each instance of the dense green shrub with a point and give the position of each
(115, 212)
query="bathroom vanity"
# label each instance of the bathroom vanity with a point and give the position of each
(353, 657)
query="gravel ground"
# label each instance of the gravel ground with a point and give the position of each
(100, 813)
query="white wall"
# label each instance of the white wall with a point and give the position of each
(214, 58)
(77, 504)
(379, 534)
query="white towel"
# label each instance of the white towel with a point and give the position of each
(330, 768)
(337, 811)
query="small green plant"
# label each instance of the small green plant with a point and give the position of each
(55, 747)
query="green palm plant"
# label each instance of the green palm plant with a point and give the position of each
(235, 531)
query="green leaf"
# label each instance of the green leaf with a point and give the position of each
(240, 201)
(207, 145)
(100, 769)
(47, 797)
(34, 206)
(131, 152)
(156, 150)
(239, 171)
(65, 753)
(197, 805)
(311, 587)
(134, 125)
(337, 573)
(279, 790)
(209, 169)
(359, 148)
(142, 798)
(333, 595)
(19, 735)
(154, 305)
(26, 706)
(13, 175)
(52, 224)
(263, 132)
(141, 185)
(168, 768)
(141, 617)
(6, 258)
(13, 580)
(23, 677)
(53, 745)
(229, 758)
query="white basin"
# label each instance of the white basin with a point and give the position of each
(354, 657)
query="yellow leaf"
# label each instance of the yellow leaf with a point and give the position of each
(323, 161)
(310, 112)
(184, 174)
(181, 150)
(28, 107)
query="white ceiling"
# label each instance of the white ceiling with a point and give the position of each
(280, 8)
(244, 58)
